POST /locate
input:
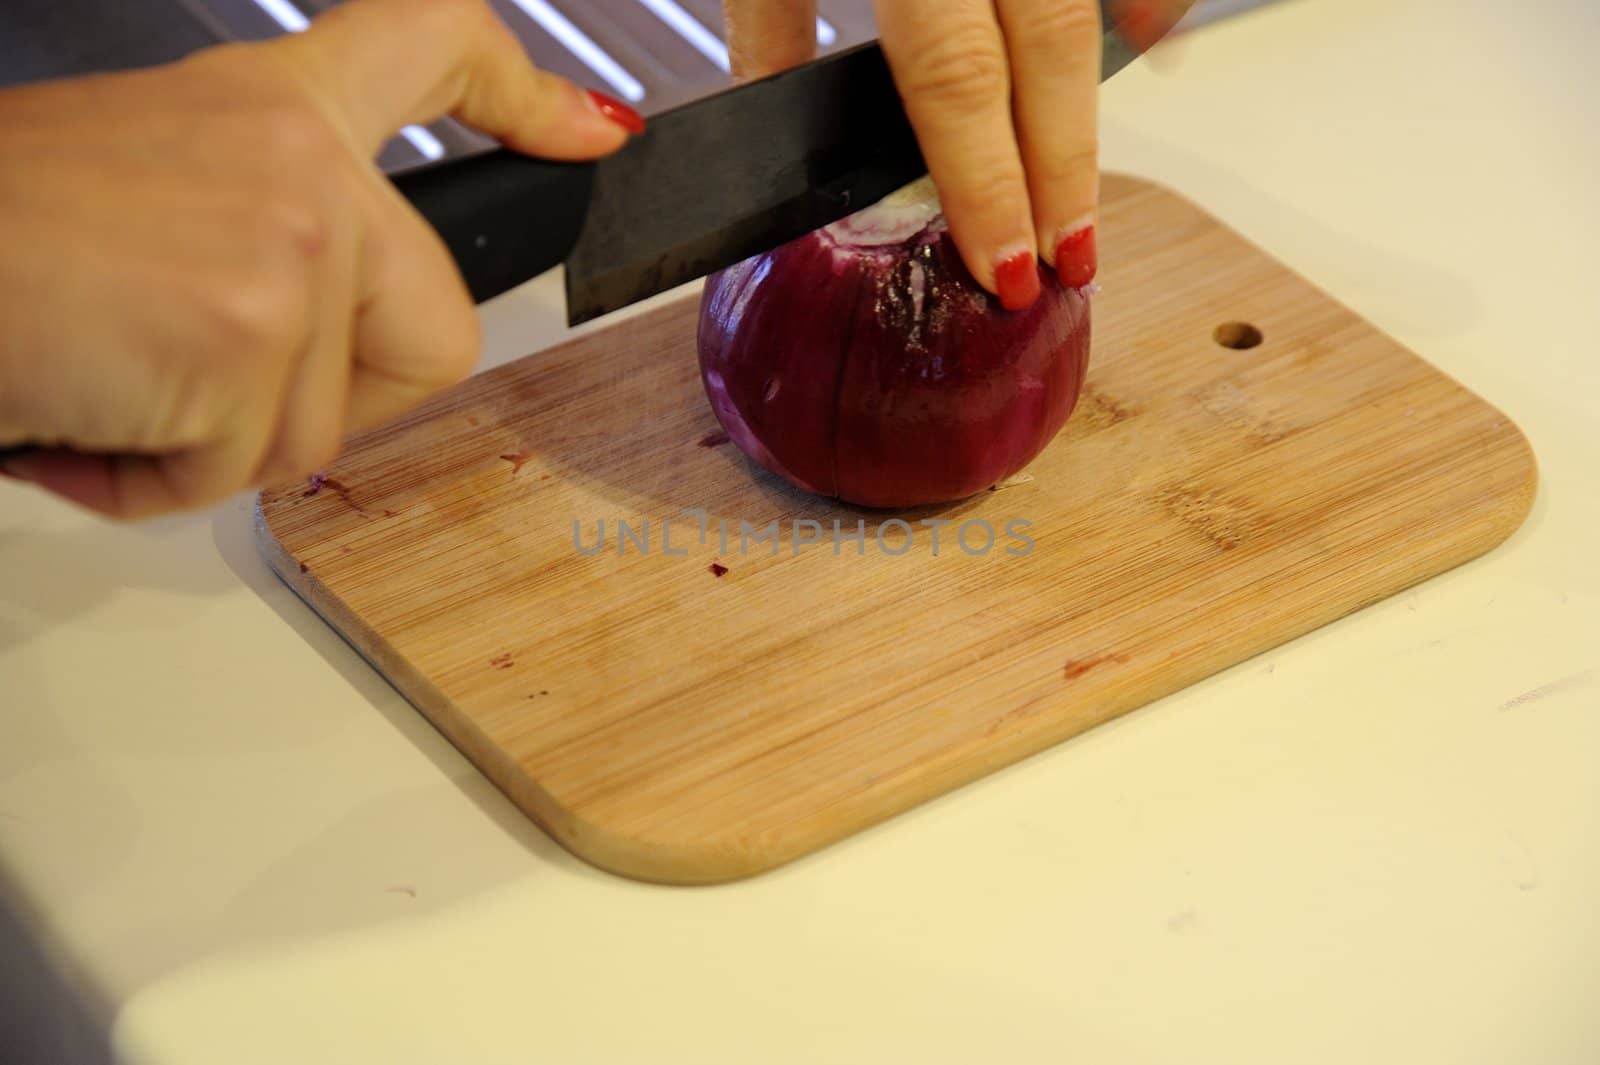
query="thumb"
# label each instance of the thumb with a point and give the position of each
(378, 65)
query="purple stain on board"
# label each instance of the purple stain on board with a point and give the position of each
(319, 481)
(1077, 667)
(517, 460)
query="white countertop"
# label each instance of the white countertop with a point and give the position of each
(1380, 843)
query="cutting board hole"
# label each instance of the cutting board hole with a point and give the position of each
(1240, 336)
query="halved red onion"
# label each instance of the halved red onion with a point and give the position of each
(863, 361)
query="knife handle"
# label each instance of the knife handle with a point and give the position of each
(506, 217)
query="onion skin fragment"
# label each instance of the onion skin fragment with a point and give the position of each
(863, 361)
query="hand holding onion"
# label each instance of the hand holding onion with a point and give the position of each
(919, 352)
(1003, 97)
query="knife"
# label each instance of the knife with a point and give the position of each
(708, 184)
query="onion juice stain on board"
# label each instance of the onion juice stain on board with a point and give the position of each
(1077, 667)
(1225, 521)
(1099, 410)
(1242, 414)
(517, 460)
(319, 481)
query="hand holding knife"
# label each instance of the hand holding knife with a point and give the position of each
(175, 335)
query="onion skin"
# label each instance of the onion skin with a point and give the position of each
(863, 362)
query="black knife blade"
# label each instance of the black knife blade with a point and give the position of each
(708, 184)
(812, 145)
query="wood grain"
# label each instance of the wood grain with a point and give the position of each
(1203, 505)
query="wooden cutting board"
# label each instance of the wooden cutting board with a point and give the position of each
(1204, 504)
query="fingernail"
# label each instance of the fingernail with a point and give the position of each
(1016, 279)
(618, 112)
(1077, 258)
(1139, 22)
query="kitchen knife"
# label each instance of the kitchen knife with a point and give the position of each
(707, 185)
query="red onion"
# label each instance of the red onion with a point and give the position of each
(863, 361)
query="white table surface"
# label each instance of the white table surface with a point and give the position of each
(1380, 843)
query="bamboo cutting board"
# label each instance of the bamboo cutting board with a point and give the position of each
(1205, 503)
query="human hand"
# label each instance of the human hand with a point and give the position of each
(206, 283)
(1003, 96)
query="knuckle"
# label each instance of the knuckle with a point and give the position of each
(1059, 28)
(986, 191)
(964, 71)
(1067, 168)
(296, 137)
(258, 316)
(296, 222)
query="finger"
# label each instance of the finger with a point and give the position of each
(766, 36)
(949, 63)
(91, 481)
(1055, 62)
(137, 486)
(379, 65)
(314, 407)
(416, 329)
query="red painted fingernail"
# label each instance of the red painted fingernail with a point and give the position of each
(1016, 277)
(618, 112)
(1141, 23)
(1077, 259)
